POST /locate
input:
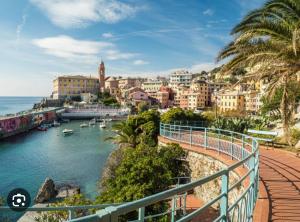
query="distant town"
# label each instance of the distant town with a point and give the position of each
(189, 91)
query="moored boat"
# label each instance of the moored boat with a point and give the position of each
(42, 128)
(56, 124)
(92, 122)
(67, 131)
(83, 125)
(102, 125)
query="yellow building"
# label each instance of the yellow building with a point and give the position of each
(70, 86)
(231, 100)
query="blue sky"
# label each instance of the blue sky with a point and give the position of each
(41, 39)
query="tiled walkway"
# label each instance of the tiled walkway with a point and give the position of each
(279, 198)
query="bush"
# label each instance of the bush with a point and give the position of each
(295, 135)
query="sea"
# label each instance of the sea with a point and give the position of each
(12, 104)
(26, 160)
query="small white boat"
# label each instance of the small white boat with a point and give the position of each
(67, 131)
(108, 120)
(56, 124)
(102, 125)
(92, 122)
(83, 125)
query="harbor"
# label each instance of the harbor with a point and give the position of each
(13, 124)
(78, 158)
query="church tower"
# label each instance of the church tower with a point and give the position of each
(101, 72)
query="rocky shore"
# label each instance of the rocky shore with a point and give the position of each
(50, 192)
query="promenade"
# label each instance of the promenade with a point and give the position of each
(279, 196)
(279, 188)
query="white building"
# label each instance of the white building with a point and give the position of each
(180, 77)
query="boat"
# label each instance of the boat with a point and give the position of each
(65, 120)
(67, 131)
(42, 128)
(56, 124)
(99, 120)
(83, 125)
(108, 120)
(102, 125)
(92, 122)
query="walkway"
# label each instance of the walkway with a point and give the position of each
(279, 198)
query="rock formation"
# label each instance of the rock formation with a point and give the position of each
(46, 192)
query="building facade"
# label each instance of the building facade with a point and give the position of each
(180, 77)
(153, 85)
(231, 100)
(71, 86)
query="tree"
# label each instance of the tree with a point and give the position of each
(126, 134)
(271, 105)
(143, 127)
(268, 40)
(178, 114)
(142, 107)
(145, 171)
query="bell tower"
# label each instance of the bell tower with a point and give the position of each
(101, 72)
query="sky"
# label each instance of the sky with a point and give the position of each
(42, 39)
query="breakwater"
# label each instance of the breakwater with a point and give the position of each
(15, 124)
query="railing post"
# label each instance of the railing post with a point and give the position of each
(231, 146)
(219, 142)
(252, 176)
(180, 132)
(71, 214)
(224, 199)
(160, 129)
(205, 138)
(173, 209)
(142, 214)
(184, 203)
(191, 136)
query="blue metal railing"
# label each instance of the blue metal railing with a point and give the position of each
(241, 148)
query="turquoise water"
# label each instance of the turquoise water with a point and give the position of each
(10, 104)
(26, 160)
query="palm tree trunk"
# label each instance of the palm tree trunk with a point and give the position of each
(284, 110)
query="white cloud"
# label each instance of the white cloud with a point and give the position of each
(202, 67)
(140, 62)
(107, 35)
(79, 13)
(82, 51)
(208, 12)
(117, 55)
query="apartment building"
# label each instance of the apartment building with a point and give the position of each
(180, 77)
(112, 86)
(252, 101)
(231, 100)
(153, 85)
(70, 86)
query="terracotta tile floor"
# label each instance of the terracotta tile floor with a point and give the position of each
(279, 198)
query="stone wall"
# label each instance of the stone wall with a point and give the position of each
(202, 165)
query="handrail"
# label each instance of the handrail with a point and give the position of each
(247, 157)
(237, 146)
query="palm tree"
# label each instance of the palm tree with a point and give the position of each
(268, 41)
(127, 134)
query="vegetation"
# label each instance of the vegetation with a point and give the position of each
(60, 216)
(240, 125)
(108, 99)
(142, 171)
(142, 107)
(136, 129)
(178, 114)
(271, 106)
(268, 40)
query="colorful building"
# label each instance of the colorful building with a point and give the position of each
(71, 86)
